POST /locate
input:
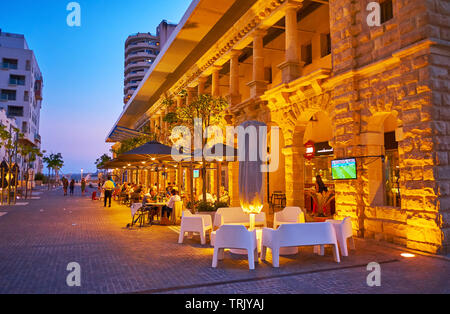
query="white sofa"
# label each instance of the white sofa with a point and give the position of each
(290, 215)
(236, 216)
(294, 235)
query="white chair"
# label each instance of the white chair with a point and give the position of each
(290, 215)
(136, 210)
(195, 223)
(294, 235)
(235, 237)
(177, 212)
(344, 232)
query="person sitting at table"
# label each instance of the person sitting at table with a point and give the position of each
(149, 199)
(135, 195)
(170, 204)
(169, 189)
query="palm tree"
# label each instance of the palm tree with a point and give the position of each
(54, 162)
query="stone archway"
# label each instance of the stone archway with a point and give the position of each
(373, 139)
(293, 120)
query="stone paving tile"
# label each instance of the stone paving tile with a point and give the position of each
(38, 241)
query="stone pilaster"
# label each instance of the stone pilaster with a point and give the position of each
(294, 165)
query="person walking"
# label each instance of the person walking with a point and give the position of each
(83, 186)
(72, 187)
(65, 185)
(108, 187)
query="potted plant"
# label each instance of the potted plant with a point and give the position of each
(321, 200)
(206, 208)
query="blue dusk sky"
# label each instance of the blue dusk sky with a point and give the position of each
(83, 67)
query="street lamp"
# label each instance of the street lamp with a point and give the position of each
(81, 173)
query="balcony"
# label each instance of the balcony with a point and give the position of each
(131, 86)
(37, 138)
(137, 66)
(139, 55)
(139, 75)
(142, 45)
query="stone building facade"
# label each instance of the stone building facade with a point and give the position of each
(320, 73)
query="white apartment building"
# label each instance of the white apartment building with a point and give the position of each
(21, 86)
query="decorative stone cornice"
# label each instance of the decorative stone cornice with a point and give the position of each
(256, 17)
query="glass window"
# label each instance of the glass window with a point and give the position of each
(307, 54)
(8, 94)
(387, 11)
(392, 171)
(15, 111)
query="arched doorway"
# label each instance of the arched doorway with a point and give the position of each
(319, 131)
(384, 173)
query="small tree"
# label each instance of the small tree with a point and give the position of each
(29, 155)
(209, 109)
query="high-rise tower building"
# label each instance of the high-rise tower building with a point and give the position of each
(141, 50)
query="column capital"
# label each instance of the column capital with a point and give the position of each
(293, 4)
(235, 53)
(202, 79)
(259, 32)
(216, 68)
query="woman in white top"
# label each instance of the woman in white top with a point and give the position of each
(171, 204)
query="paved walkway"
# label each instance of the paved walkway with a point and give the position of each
(39, 240)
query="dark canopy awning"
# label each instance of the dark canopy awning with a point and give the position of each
(120, 133)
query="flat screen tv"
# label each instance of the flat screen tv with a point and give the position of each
(344, 169)
(196, 173)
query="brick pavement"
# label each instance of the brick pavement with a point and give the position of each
(39, 240)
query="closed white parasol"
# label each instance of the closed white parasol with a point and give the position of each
(252, 144)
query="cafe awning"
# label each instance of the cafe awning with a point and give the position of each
(120, 133)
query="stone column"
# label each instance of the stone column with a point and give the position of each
(295, 185)
(258, 85)
(179, 101)
(216, 81)
(201, 85)
(291, 68)
(191, 93)
(235, 97)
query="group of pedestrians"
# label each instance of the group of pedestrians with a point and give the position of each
(71, 186)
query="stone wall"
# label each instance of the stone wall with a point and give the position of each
(399, 70)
